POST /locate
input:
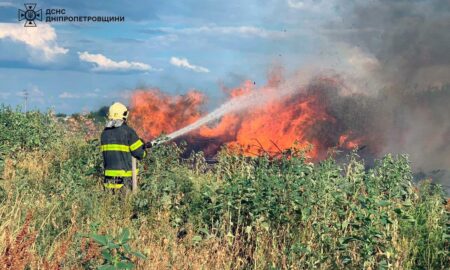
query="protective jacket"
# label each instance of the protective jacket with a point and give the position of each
(118, 145)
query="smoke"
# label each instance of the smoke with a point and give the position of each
(409, 41)
(287, 111)
(409, 38)
(389, 93)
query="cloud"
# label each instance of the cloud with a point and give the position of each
(6, 4)
(184, 63)
(91, 95)
(296, 4)
(246, 31)
(102, 63)
(67, 95)
(312, 5)
(39, 39)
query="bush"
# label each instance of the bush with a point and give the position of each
(241, 213)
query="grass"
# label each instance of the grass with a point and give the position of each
(243, 213)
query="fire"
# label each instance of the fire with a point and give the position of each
(154, 112)
(345, 141)
(276, 126)
(301, 119)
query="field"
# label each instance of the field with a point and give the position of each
(241, 213)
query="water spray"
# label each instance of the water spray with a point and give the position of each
(233, 105)
(255, 98)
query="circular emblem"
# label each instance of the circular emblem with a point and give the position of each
(30, 15)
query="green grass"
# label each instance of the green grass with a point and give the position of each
(243, 213)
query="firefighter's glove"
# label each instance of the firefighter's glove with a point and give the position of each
(149, 145)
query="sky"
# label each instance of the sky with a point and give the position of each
(209, 46)
(175, 46)
(397, 50)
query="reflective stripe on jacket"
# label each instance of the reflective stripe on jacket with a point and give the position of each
(118, 145)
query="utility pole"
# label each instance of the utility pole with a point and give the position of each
(25, 96)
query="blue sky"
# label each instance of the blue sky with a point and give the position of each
(175, 46)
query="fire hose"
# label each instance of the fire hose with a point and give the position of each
(157, 141)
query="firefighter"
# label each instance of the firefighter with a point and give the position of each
(119, 143)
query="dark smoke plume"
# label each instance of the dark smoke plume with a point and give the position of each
(410, 40)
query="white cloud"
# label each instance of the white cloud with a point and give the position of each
(67, 95)
(164, 40)
(312, 5)
(246, 31)
(103, 63)
(40, 39)
(6, 4)
(92, 95)
(183, 62)
(299, 4)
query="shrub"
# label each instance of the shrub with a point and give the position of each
(241, 213)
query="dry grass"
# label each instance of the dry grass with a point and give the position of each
(9, 170)
(165, 251)
(36, 163)
(17, 253)
(65, 201)
(57, 259)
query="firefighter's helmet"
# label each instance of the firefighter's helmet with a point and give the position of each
(118, 111)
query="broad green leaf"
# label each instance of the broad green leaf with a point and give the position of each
(126, 247)
(101, 239)
(124, 236)
(138, 254)
(107, 255)
(125, 265)
(106, 267)
(112, 245)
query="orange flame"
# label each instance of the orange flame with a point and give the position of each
(271, 128)
(265, 128)
(154, 112)
(346, 142)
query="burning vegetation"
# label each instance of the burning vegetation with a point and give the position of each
(320, 117)
(266, 120)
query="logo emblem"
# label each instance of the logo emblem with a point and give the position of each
(30, 15)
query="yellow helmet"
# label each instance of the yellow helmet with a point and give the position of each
(118, 111)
